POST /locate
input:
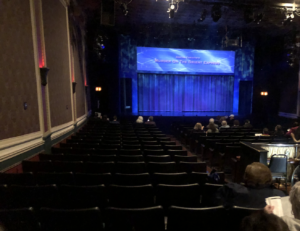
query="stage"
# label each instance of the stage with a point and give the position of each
(180, 114)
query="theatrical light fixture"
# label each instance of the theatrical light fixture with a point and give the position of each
(264, 93)
(216, 12)
(98, 89)
(202, 16)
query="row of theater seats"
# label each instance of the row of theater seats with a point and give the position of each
(118, 219)
(138, 196)
(86, 179)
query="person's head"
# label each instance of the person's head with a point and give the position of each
(247, 121)
(231, 116)
(295, 199)
(261, 221)
(211, 121)
(140, 119)
(224, 123)
(222, 118)
(198, 126)
(265, 131)
(236, 123)
(150, 118)
(212, 127)
(257, 175)
(278, 128)
(115, 118)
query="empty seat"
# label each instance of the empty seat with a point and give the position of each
(194, 219)
(46, 178)
(170, 178)
(133, 146)
(131, 167)
(149, 142)
(162, 167)
(152, 147)
(75, 158)
(158, 158)
(104, 151)
(200, 178)
(26, 178)
(176, 152)
(185, 158)
(131, 158)
(162, 138)
(99, 167)
(22, 219)
(83, 196)
(103, 158)
(154, 152)
(128, 152)
(131, 142)
(68, 166)
(192, 167)
(58, 157)
(146, 219)
(93, 179)
(209, 195)
(131, 196)
(167, 143)
(74, 219)
(132, 179)
(37, 166)
(181, 195)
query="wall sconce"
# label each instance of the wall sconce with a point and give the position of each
(44, 74)
(74, 87)
(264, 93)
(98, 89)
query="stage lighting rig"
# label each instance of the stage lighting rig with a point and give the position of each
(202, 16)
(173, 7)
(216, 12)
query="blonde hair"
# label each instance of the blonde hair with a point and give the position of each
(140, 119)
(295, 199)
(198, 126)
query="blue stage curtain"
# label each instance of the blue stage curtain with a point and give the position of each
(168, 92)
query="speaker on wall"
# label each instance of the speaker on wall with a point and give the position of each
(126, 95)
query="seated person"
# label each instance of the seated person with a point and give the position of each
(265, 132)
(293, 223)
(247, 124)
(212, 121)
(115, 120)
(258, 186)
(224, 124)
(198, 127)
(236, 124)
(230, 120)
(150, 121)
(292, 129)
(262, 221)
(104, 118)
(212, 128)
(278, 131)
(140, 120)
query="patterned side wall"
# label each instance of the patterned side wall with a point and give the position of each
(17, 71)
(57, 56)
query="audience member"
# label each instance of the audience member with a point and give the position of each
(258, 186)
(104, 118)
(293, 223)
(150, 121)
(212, 121)
(115, 120)
(265, 132)
(278, 131)
(140, 120)
(247, 124)
(212, 128)
(295, 134)
(198, 127)
(230, 120)
(236, 124)
(262, 221)
(222, 119)
(292, 129)
(224, 124)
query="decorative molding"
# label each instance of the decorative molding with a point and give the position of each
(61, 130)
(288, 115)
(81, 120)
(6, 143)
(21, 148)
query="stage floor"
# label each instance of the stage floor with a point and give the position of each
(159, 113)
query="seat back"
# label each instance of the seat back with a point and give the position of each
(278, 163)
(131, 167)
(170, 178)
(26, 178)
(146, 219)
(103, 158)
(131, 158)
(68, 166)
(194, 219)
(158, 158)
(154, 152)
(131, 196)
(162, 167)
(104, 167)
(37, 166)
(46, 178)
(209, 194)
(93, 178)
(192, 167)
(176, 152)
(192, 158)
(74, 219)
(128, 152)
(132, 179)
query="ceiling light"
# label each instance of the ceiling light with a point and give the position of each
(172, 6)
(216, 13)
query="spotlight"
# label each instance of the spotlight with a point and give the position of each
(248, 15)
(203, 16)
(216, 13)
(102, 46)
(258, 18)
(124, 9)
(172, 6)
